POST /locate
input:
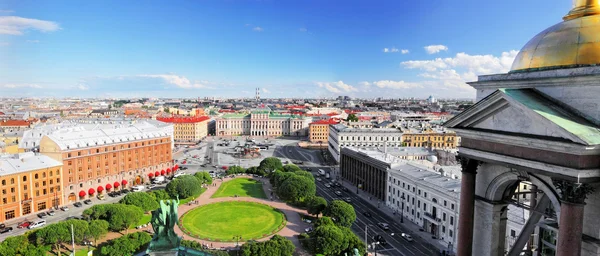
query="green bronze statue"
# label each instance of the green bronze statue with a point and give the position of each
(163, 220)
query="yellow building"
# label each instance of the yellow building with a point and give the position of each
(29, 184)
(318, 132)
(430, 138)
(188, 129)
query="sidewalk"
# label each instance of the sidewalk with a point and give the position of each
(407, 227)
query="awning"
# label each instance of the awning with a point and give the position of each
(168, 171)
(116, 184)
(108, 186)
(91, 191)
(123, 182)
(157, 174)
(162, 172)
(82, 193)
(100, 189)
(150, 175)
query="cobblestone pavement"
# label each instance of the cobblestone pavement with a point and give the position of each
(294, 225)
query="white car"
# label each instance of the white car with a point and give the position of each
(179, 174)
(407, 237)
(138, 188)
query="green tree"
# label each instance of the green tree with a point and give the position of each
(80, 228)
(97, 229)
(324, 221)
(159, 195)
(352, 118)
(305, 174)
(118, 216)
(277, 245)
(342, 212)
(255, 170)
(140, 199)
(329, 240)
(291, 168)
(204, 177)
(280, 177)
(270, 164)
(126, 245)
(166, 110)
(316, 205)
(296, 188)
(235, 170)
(353, 242)
(14, 245)
(184, 187)
(53, 234)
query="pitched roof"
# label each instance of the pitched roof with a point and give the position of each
(15, 123)
(183, 120)
(325, 121)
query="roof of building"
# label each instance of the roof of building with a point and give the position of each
(15, 123)
(437, 179)
(183, 120)
(325, 121)
(25, 162)
(106, 134)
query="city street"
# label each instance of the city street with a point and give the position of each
(396, 245)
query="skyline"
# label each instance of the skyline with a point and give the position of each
(228, 48)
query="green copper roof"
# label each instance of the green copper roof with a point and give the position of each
(566, 119)
(235, 115)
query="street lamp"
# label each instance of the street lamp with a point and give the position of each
(402, 211)
(237, 239)
(374, 246)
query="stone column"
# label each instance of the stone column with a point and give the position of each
(570, 225)
(490, 228)
(467, 205)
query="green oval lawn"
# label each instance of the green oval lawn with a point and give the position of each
(244, 187)
(225, 220)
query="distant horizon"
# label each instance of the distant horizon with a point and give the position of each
(304, 49)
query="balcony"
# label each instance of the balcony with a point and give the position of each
(432, 218)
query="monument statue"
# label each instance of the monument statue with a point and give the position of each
(163, 220)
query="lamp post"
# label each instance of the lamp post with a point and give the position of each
(402, 211)
(237, 239)
(374, 246)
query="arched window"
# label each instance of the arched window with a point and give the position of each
(24, 178)
(3, 182)
(12, 180)
(43, 175)
(35, 176)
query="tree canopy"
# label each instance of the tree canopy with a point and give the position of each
(270, 164)
(140, 199)
(290, 168)
(235, 170)
(316, 205)
(296, 188)
(352, 118)
(184, 187)
(126, 245)
(342, 213)
(118, 216)
(204, 177)
(277, 245)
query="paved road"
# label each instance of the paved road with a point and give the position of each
(396, 244)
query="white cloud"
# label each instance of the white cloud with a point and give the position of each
(456, 71)
(258, 29)
(336, 87)
(303, 29)
(265, 90)
(13, 25)
(365, 84)
(431, 49)
(13, 86)
(179, 81)
(393, 49)
(83, 87)
(404, 51)
(396, 84)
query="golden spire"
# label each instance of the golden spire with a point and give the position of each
(583, 8)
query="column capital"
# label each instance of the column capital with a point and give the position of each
(468, 165)
(572, 192)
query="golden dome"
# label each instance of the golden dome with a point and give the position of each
(572, 43)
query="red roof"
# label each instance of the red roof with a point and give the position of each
(327, 121)
(226, 111)
(181, 120)
(15, 123)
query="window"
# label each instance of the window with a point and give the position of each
(3, 182)
(444, 216)
(513, 233)
(443, 229)
(445, 203)
(24, 178)
(26, 208)
(9, 214)
(41, 206)
(452, 206)
(425, 194)
(450, 233)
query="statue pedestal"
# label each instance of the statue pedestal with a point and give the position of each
(165, 253)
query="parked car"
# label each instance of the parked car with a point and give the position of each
(407, 237)
(347, 199)
(87, 201)
(327, 185)
(380, 239)
(337, 192)
(383, 225)
(42, 215)
(367, 214)
(308, 230)
(24, 224)
(100, 197)
(319, 179)
(51, 213)
(5, 229)
(64, 208)
(139, 188)
(73, 218)
(37, 224)
(77, 204)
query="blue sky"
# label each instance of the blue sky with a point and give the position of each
(287, 48)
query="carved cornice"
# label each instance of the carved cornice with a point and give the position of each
(468, 165)
(573, 192)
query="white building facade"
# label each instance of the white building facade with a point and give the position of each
(262, 122)
(341, 136)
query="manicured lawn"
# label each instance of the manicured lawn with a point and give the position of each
(222, 221)
(187, 200)
(242, 187)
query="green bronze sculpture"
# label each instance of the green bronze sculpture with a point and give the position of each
(163, 220)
